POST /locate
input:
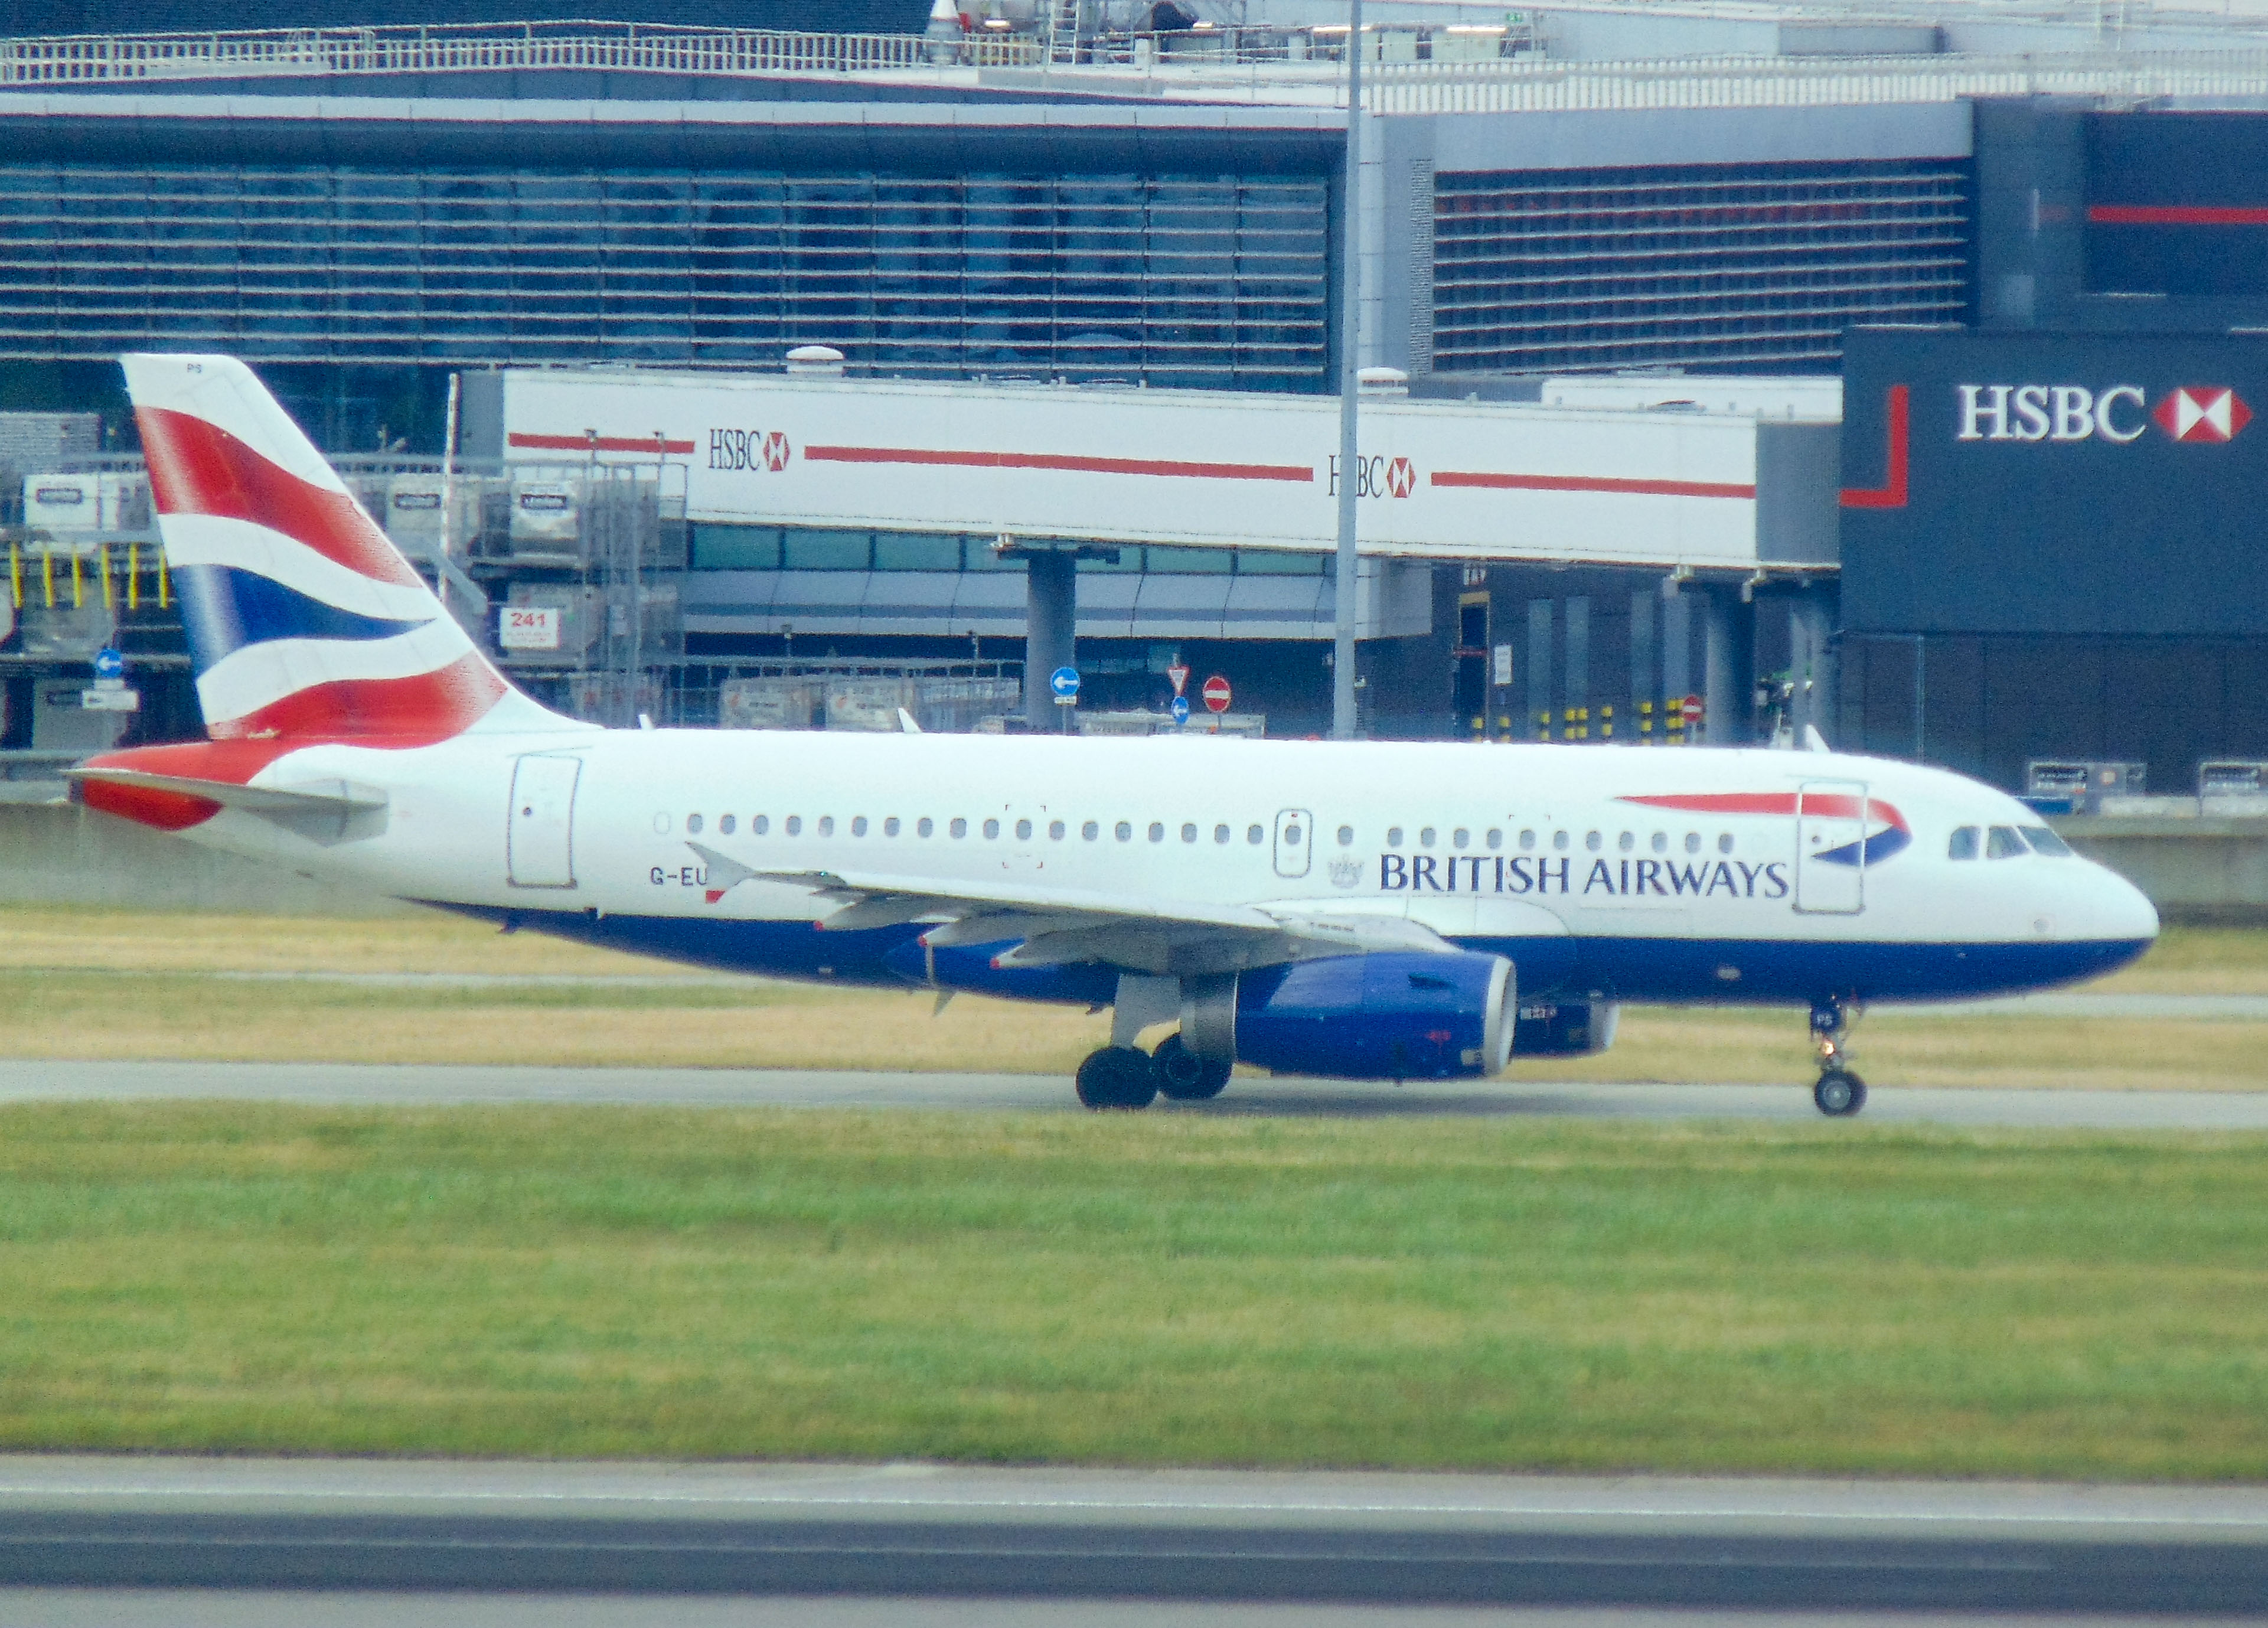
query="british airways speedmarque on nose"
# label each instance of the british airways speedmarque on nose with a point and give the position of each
(1361, 909)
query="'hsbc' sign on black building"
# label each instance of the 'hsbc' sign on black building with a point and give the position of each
(2050, 483)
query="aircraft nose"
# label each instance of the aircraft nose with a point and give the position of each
(2123, 911)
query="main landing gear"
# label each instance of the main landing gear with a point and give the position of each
(1839, 1093)
(1126, 1077)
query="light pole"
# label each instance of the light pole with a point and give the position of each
(1343, 597)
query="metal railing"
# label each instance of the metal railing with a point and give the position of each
(1533, 85)
(479, 48)
(1253, 66)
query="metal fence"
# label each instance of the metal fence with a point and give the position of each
(1461, 71)
(619, 46)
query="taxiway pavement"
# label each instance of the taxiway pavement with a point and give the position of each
(434, 1086)
(927, 1531)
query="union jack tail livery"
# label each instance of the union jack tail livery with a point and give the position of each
(305, 625)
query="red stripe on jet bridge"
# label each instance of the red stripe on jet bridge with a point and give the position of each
(1169, 467)
(198, 468)
(391, 713)
(2175, 215)
(1495, 482)
(647, 443)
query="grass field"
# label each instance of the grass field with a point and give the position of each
(1828, 1298)
(93, 984)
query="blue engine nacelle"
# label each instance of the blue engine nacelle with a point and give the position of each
(1565, 1028)
(1385, 1016)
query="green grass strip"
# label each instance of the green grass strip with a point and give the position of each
(1147, 1291)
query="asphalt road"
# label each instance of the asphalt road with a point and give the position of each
(904, 1532)
(377, 1084)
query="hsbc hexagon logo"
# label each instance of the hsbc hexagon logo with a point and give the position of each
(2119, 414)
(2202, 413)
(1401, 478)
(749, 449)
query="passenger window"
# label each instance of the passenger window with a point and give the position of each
(858, 825)
(827, 825)
(991, 830)
(2002, 843)
(1394, 837)
(1559, 841)
(1220, 834)
(1255, 835)
(761, 824)
(1626, 842)
(1496, 839)
(795, 825)
(1188, 833)
(1425, 837)
(1693, 842)
(958, 828)
(1725, 841)
(1023, 830)
(1346, 835)
(1054, 830)
(1124, 831)
(693, 825)
(924, 826)
(1593, 841)
(725, 826)
(1157, 830)
(1661, 842)
(1461, 838)
(890, 826)
(2045, 841)
(1526, 839)
(1090, 831)
(1963, 844)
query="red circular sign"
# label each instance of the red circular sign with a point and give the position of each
(1216, 694)
(1692, 708)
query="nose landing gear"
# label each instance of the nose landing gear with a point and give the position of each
(1839, 1093)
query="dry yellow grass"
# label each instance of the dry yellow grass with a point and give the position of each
(115, 984)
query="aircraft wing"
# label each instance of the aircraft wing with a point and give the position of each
(1048, 926)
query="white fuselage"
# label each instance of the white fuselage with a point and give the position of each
(1714, 890)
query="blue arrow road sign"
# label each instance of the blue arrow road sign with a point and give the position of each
(1064, 680)
(109, 664)
(1180, 709)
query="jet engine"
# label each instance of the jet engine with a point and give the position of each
(1389, 1016)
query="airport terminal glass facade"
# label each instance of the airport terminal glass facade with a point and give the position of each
(1169, 280)
(1700, 265)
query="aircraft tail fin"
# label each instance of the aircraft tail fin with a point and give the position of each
(305, 622)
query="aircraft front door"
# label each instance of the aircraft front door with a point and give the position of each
(1294, 838)
(539, 840)
(1830, 848)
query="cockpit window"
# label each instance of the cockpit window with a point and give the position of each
(2046, 842)
(2002, 843)
(1964, 845)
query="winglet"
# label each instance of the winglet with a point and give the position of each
(905, 725)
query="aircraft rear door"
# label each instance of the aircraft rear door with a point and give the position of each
(540, 841)
(1830, 848)
(1295, 837)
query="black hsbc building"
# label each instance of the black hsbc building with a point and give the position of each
(2055, 545)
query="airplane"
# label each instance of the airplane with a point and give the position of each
(1381, 911)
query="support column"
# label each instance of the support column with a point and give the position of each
(1728, 687)
(1050, 625)
(1811, 666)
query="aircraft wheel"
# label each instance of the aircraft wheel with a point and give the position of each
(1116, 1076)
(1839, 1094)
(1183, 1075)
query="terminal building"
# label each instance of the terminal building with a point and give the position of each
(1608, 266)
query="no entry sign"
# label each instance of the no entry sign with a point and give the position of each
(1216, 694)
